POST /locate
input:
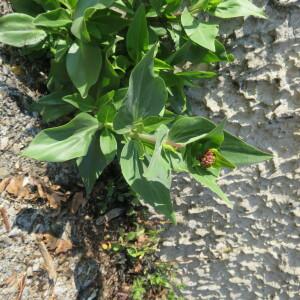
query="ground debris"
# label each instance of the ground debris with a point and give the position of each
(5, 219)
(78, 201)
(48, 261)
(56, 244)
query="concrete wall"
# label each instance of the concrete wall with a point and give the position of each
(252, 251)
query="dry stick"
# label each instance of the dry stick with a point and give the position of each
(49, 263)
(4, 216)
(21, 286)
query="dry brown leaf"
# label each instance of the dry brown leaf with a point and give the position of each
(3, 213)
(21, 286)
(55, 199)
(77, 201)
(4, 183)
(63, 246)
(22, 187)
(138, 268)
(50, 241)
(48, 260)
(15, 186)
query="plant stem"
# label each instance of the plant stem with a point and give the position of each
(149, 138)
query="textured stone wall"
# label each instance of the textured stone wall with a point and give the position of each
(252, 251)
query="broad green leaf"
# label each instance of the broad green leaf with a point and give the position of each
(240, 153)
(162, 173)
(84, 105)
(108, 144)
(18, 30)
(215, 137)
(106, 113)
(196, 54)
(109, 78)
(137, 38)
(65, 142)
(106, 22)
(53, 18)
(84, 10)
(221, 161)
(82, 5)
(58, 78)
(208, 180)
(152, 192)
(146, 94)
(190, 129)
(52, 106)
(84, 63)
(48, 4)
(176, 161)
(237, 8)
(152, 123)
(28, 7)
(92, 164)
(201, 33)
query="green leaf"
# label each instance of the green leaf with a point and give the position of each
(215, 137)
(109, 79)
(196, 54)
(84, 10)
(106, 113)
(192, 75)
(52, 106)
(105, 23)
(18, 30)
(84, 63)
(108, 144)
(178, 99)
(146, 94)
(221, 161)
(82, 5)
(190, 129)
(153, 192)
(237, 8)
(163, 173)
(54, 18)
(48, 4)
(92, 164)
(240, 153)
(28, 7)
(208, 180)
(152, 123)
(201, 33)
(137, 38)
(84, 105)
(70, 4)
(64, 142)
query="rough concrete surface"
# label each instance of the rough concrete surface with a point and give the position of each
(252, 251)
(249, 252)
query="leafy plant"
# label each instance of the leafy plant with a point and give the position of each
(119, 70)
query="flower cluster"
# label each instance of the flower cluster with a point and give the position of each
(207, 159)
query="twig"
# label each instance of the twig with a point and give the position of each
(21, 286)
(49, 263)
(4, 216)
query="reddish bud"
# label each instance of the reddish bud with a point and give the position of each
(207, 159)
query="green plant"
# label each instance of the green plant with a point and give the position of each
(120, 66)
(161, 281)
